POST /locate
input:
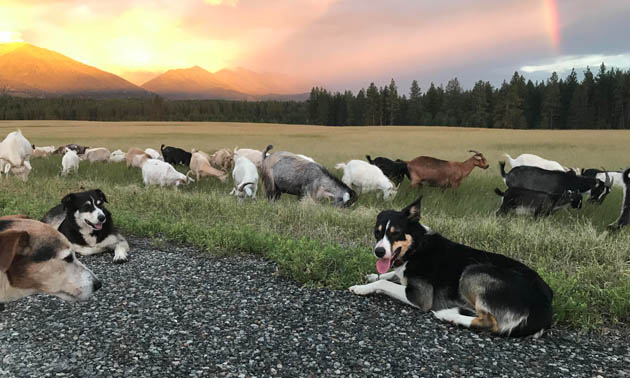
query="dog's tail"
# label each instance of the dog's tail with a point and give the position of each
(499, 192)
(369, 159)
(269, 147)
(502, 169)
(340, 166)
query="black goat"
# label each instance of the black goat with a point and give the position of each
(175, 155)
(536, 203)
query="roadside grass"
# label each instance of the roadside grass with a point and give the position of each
(322, 246)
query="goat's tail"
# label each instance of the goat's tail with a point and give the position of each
(502, 169)
(340, 166)
(499, 192)
(369, 159)
(162, 149)
(507, 156)
(269, 147)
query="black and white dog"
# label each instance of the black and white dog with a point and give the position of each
(88, 225)
(454, 280)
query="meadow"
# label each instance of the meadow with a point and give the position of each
(319, 245)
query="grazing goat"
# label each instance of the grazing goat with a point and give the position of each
(69, 162)
(254, 156)
(366, 177)
(532, 202)
(175, 155)
(96, 154)
(80, 150)
(532, 160)
(624, 217)
(395, 170)
(154, 154)
(222, 159)
(15, 155)
(442, 173)
(136, 157)
(616, 176)
(200, 166)
(157, 172)
(117, 156)
(555, 182)
(285, 172)
(245, 175)
(43, 151)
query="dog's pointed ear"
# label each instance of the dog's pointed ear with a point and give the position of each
(412, 212)
(66, 201)
(10, 242)
(101, 195)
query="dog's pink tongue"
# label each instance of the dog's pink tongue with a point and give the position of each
(382, 265)
(98, 226)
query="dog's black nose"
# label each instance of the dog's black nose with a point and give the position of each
(101, 218)
(379, 252)
(97, 285)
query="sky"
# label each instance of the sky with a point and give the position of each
(338, 44)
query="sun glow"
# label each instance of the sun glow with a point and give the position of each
(550, 10)
(10, 37)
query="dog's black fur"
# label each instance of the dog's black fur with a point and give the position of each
(394, 170)
(175, 155)
(442, 274)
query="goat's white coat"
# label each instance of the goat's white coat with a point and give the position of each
(96, 154)
(245, 172)
(617, 178)
(366, 177)
(157, 172)
(154, 154)
(69, 162)
(117, 156)
(532, 160)
(15, 155)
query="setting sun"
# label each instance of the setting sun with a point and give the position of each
(9, 37)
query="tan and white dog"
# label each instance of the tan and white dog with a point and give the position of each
(36, 258)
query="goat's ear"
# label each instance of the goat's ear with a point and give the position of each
(412, 212)
(10, 242)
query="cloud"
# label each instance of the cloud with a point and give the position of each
(566, 63)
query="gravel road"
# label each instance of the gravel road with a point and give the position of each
(173, 311)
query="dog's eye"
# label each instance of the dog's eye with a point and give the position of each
(69, 258)
(396, 235)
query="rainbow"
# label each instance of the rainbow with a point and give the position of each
(552, 26)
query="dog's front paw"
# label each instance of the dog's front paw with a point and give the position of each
(447, 315)
(371, 277)
(361, 289)
(120, 257)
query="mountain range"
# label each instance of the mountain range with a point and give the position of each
(31, 71)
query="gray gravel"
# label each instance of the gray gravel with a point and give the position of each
(173, 311)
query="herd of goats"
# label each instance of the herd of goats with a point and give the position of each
(535, 186)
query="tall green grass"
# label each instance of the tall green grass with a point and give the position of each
(319, 245)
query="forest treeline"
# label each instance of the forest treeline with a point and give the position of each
(600, 101)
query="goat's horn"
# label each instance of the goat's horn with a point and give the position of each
(608, 182)
(475, 152)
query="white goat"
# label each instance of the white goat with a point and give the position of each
(245, 177)
(532, 160)
(154, 154)
(366, 177)
(15, 155)
(69, 162)
(96, 154)
(43, 151)
(117, 156)
(157, 172)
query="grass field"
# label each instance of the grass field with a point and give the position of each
(316, 244)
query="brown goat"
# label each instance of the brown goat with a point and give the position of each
(223, 159)
(136, 157)
(200, 166)
(442, 173)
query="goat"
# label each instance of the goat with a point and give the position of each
(624, 216)
(80, 150)
(254, 156)
(536, 203)
(245, 177)
(200, 166)
(285, 172)
(136, 157)
(395, 170)
(616, 176)
(157, 172)
(367, 177)
(69, 162)
(96, 154)
(175, 155)
(222, 159)
(555, 182)
(15, 155)
(442, 173)
(153, 154)
(43, 151)
(117, 156)
(532, 160)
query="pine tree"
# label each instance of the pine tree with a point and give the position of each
(551, 104)
(373, 104)
(393, 105)
(414, 111)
